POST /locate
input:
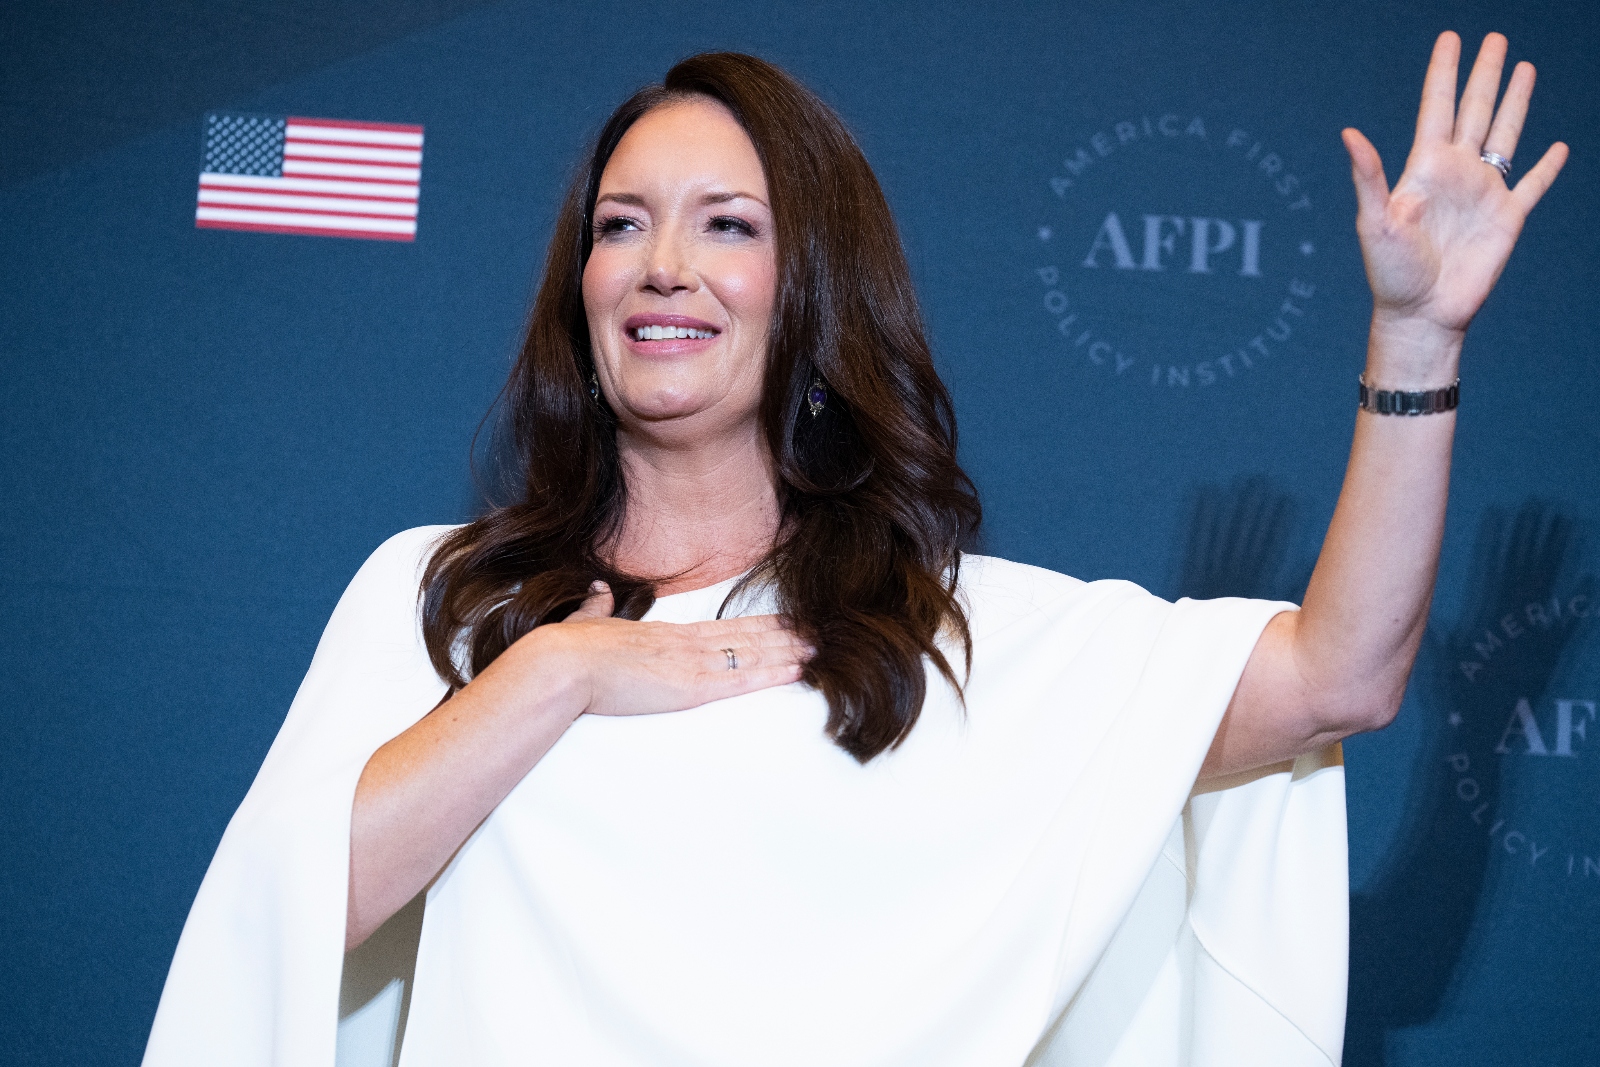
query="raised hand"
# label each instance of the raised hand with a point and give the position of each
(640, 668)
(1435, 245)
(1433, 248)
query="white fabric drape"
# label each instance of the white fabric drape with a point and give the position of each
(1026, 880)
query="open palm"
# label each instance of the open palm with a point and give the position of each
(1435, 245)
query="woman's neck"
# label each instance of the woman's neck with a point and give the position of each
(696, 515)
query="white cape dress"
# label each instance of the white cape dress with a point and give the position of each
(1030, 880)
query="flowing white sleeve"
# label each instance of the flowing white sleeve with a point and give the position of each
(1234, 948)
(255, 981)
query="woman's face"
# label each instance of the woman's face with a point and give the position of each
(680, 285)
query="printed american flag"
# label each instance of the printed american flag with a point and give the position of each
(319, 176)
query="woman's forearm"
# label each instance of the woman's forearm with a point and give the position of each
(422, 794)
(1339, 665)
(1367, 605)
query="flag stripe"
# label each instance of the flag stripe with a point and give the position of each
(346, 124)
(256, 227)
(351, 170)
(388, 140)
(314, 222)
(302, 132)
(307, 141)
(390, 190)
(399, 209)
(218, 193)
(350, 153)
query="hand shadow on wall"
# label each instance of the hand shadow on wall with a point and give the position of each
(1237, 544)
(1410, 927)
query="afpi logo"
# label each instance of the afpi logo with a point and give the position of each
(1523, 742)
(1209, 239)
(1176, 252)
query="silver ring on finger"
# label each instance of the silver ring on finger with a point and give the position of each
(733, 658)
(1497, 161)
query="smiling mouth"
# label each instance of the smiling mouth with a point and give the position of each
(668, 333)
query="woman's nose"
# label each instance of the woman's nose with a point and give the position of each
(669, 268)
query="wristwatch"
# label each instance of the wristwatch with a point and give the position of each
(1391, 402)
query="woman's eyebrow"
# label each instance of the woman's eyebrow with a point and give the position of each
(628, 199)
(723, 198)
(635, 200)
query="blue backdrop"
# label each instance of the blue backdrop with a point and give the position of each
(206, 432)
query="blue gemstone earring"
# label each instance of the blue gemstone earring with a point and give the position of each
(594, 385)
(816, 397)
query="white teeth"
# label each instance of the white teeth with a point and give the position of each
(669, 333)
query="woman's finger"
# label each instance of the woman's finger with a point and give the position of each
(745, 624)
(731, 658)
(773, 638)
(1477, 99)
(597, 605)
(776, 651)
(1507, 128)
(1436, 118)
(1534, 183)
(1366, 169)
(720, 685)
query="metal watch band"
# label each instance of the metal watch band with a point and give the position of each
(1428, 402)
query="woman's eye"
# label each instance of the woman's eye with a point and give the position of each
(614, 224)
(732, 224)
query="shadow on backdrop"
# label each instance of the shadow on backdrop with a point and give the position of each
(1237, 544)
(1410, 928)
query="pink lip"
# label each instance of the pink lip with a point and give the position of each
(673, 347)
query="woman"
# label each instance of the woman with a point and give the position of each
(908, 805)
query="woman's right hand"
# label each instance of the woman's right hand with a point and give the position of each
(619, 667)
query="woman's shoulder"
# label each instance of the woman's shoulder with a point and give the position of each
(403, 555)
(392, 573)
(998, 591)
(991, 575)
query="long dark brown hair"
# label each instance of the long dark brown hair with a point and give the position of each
(873, 506)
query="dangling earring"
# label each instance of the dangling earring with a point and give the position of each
(594, 385)
(816, 397)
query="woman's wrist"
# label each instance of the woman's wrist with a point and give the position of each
(540, 676)
(1410, 353)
